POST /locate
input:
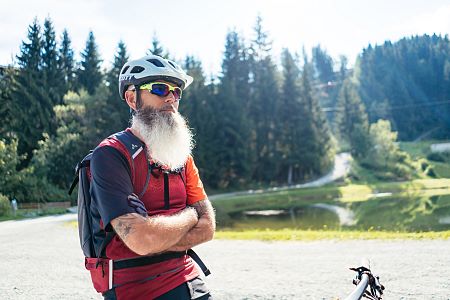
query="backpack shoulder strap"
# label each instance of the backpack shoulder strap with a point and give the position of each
(134, 147)
(85, 162)
(131, 142)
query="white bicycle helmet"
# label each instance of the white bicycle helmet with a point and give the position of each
(150, 68)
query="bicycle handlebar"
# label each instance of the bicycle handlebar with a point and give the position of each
(364, 280)
(360, 288)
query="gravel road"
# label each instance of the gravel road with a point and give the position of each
(41, 259)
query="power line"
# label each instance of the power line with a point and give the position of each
(434, 103)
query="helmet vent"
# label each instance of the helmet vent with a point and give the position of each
(172, 64)
(125, 69)
(137, 69)
(156, 62)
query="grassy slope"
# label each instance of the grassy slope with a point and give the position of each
(422, 149)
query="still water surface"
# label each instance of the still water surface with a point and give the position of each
(382, 213)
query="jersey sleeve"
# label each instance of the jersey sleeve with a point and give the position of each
(111, 184)
(194, 186)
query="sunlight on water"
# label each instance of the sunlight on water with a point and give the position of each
(415, 213)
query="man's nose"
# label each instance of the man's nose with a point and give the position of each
(170, 98)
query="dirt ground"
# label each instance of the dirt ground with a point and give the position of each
(41, 259)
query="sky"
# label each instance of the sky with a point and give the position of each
(199, 27)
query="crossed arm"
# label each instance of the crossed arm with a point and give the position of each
(202, 232)
(151, 235)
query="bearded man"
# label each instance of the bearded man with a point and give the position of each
(153, 200)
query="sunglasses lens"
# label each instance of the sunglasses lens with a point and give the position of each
(177, 93)
(160, 89)
(163, 89)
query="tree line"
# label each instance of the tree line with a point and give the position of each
(259, 122)
(408, 83)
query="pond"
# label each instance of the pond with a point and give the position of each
(390, 213)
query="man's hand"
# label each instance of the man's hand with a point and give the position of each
(151, 235)
(203, 231)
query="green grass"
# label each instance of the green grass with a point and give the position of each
(441, 169)
(417, 149)
(73, 224)
(314, 235)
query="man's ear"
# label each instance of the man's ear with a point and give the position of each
(130, 98)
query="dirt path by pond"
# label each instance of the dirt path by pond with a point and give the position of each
(41, 259)
(342, 165)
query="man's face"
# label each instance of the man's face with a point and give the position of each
(167, 103)
(158, 124)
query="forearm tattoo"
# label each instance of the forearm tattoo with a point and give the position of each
(126, 224)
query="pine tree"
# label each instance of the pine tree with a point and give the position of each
(107, 112)
(288, 121)
(323, 64)
(157, 48)
(316, 150)
(120, 58)
(325, 83)
(34, 114)
(89, 75)
(30, 53)
(261, 46)
(351, 119)
(343, 61)
(53, 80)
(233, 139)
(119, 113)
(66, 64)
(198, 106)
(264, 96)
(405, 83)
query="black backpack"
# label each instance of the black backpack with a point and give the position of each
(90, 247)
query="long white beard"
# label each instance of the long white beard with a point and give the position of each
(167, 136)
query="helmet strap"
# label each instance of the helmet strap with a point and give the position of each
(138, 99)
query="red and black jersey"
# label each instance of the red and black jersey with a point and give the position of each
(115, 175)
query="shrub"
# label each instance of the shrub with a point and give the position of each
(423, 164)
(430, 172)
(403, 171)
(10, 177)
(5, 206)
(26, 185)
(403, 157)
